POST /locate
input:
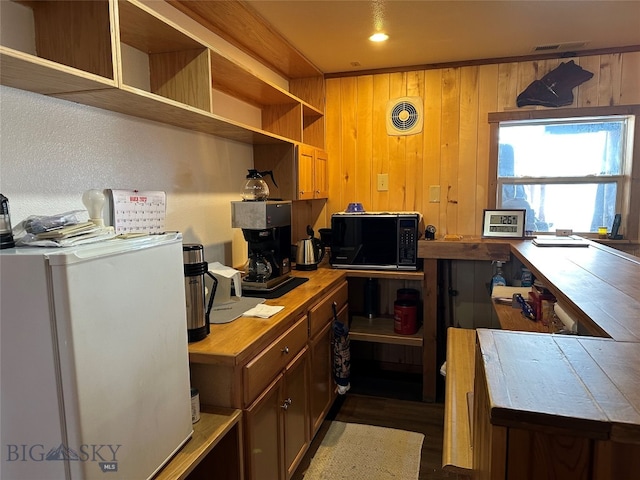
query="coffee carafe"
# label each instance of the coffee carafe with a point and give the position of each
(6, 234)
(195, 269)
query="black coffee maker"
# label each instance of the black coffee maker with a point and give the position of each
(266, 226)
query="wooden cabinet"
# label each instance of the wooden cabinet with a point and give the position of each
(122, 55)
(312, 164)
(277, 424)
(264, 434)
(322, 387)
(278, 371)
(301, 171)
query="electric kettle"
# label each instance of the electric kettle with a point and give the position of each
(309, 252)
(195, 268)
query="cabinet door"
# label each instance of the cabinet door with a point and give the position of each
(305, 172)
(264, 435)
(296, 411)
(322, 389)
(320, 174)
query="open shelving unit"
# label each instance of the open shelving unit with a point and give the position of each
(380, 330)
(121, 55)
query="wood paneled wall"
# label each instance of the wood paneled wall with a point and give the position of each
(453, 149)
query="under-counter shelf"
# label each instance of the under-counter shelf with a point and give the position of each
(388, 274)
(216, 446)
(380, 330)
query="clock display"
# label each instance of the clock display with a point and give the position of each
(503, 223)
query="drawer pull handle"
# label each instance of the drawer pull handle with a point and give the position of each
(285, 405)
(285, 350)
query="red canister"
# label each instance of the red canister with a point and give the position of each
(405, 317)
(408, 294)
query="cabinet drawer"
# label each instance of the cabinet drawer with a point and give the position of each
(262, 369)
(322, 313)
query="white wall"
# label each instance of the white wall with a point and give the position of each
(52, 150)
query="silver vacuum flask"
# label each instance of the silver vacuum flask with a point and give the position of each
(195, 268)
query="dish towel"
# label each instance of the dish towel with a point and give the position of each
(262, 311)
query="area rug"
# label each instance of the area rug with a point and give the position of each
(351, 451)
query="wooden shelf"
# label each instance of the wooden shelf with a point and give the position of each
(123, 56)
(390, 274)
(380, 330)
(214, 424)
(512, 319)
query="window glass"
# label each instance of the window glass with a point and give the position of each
(565, 173)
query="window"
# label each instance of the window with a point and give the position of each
(570, 172)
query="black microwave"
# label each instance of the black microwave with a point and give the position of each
(378, 241)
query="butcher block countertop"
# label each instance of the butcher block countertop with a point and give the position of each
(235, 342)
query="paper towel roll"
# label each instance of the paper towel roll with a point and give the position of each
(569, 323)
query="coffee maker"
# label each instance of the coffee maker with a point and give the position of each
(266, 226)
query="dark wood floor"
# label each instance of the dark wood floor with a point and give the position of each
(394, 409)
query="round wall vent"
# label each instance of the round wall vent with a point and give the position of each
(404, 116)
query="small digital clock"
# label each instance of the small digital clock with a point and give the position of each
(503, 223)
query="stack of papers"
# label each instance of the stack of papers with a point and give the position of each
(553, 241)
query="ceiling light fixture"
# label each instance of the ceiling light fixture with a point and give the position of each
(379, 37)
(377, 7)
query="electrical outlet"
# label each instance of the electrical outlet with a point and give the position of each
(383, 182)
(434, 193)
(563, 232)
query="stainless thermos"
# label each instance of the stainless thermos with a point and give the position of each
(195, 268)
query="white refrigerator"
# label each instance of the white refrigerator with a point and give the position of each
(94, 370)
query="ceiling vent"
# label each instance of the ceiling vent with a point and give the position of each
(404, 116)
(552, 47)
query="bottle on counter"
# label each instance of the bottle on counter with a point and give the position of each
(498, 276)
(526, 279)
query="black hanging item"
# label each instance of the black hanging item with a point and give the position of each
(341, 353)
(555, 88)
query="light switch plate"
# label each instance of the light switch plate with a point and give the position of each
(383, 182)
(434, 193)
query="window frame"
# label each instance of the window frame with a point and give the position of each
(629, 182)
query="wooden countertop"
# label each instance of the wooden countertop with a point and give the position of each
(235, 342)
(600, 286)
(582, 384)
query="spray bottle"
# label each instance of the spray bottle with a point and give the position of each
(498, 276)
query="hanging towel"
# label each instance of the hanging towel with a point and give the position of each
(341, 354)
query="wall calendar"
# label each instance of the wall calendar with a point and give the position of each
(134, 211)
